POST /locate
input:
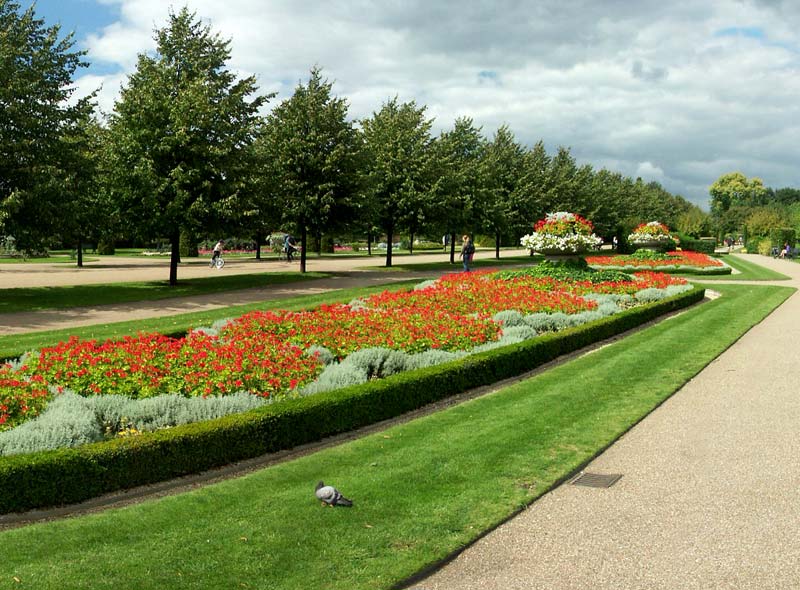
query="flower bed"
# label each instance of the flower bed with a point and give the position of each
(562, 233)
(273, 355)
(674, 261)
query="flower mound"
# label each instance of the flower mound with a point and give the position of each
(674, 258)
(562, 232)
(647, 233)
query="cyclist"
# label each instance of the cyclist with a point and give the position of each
(217, 251)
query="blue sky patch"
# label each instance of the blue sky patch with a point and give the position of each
(749, 32)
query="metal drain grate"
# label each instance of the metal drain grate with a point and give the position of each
(596, 480)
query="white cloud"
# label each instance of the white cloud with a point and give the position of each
(659, 89)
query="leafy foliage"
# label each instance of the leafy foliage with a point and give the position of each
(313, 152)
(38, 118)
(397, 172)
(180, 134)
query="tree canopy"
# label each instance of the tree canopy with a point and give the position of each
(735, 189)
(180, 134)
(37, 66)
(397, 169)
(314, 152)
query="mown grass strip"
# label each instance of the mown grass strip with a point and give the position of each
(39, 298)
(421, 489)
(14, 345)
(748, 271)
(407, 263)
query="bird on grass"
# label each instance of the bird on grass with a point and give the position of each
(330, 496)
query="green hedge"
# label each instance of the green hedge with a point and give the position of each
(67, 476)
(704, 245)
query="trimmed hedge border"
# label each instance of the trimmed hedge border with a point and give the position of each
(66, 476)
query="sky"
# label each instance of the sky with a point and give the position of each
(677, 92)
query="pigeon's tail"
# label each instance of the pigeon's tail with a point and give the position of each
(342, 501)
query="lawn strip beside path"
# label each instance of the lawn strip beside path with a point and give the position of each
(749, 270)
(297, 297)
(39, 298)
(422, 490)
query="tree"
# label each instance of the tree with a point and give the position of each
(461, 183)
(180, 132)
(761, 220)
(398, 162)
(735, 189)
(502, 168)
(314, 153)
(694, 222)
(85, 209)
(36, 71)
(529, 199)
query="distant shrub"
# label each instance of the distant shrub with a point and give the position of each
(325, 356)
(335, 376)
(509, 317)
(378, 362)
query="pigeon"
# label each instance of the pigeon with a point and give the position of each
(331, 496)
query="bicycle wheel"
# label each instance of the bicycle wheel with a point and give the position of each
(220, 262)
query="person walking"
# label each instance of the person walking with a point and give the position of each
(467, 252)
(289, 247)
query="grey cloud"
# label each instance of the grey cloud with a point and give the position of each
(617, 81)
(648, 74)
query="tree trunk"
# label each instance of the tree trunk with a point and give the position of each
(452, 248)
(174, 258)
(303, 241)
(258, 246)
(80, 253)
(389, 233)
(369, 243)
(497, 244)
(411, 244)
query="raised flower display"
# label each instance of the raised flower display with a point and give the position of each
(673, 261)
(562, 233)
(653, 233)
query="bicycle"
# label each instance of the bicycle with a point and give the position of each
(217, 262)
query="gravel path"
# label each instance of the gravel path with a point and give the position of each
(709, 495)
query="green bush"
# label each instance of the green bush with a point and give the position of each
(188, 245)
(780, 236)
(105, 247)
(704, 245)
(66, 476)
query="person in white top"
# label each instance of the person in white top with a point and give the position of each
(217, 250)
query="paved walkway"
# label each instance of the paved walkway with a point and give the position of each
(709, 498)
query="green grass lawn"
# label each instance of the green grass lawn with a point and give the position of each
(38, 298)
(748, 271)
(421, 490)
(57, 259)
(407, 263)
